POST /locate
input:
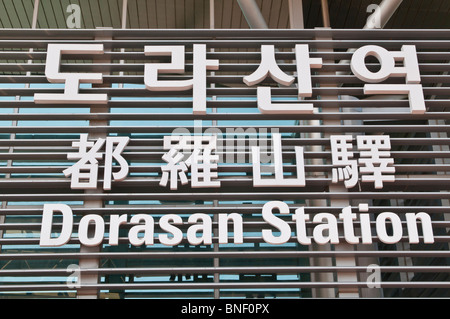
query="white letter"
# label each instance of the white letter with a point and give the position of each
(72, 80)
(114, 151)
(200, 67)
(268, 67)
(347, 218)
(98, 232)
(237, 229)
(300, 218)
(114, 224)
(279, 180)
(359, 68)
(283, 226)
(151, 70)
(366, 230)
(147, 228)
(397, 230)
(427, 229)
(331, 226)
(175, 231)
(205, 228)
(47, 220)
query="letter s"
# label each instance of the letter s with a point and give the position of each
(269, 217)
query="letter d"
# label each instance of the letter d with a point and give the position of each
(47, 221)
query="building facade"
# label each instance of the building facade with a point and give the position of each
(224, 149)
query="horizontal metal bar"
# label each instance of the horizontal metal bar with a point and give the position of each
(234, 92)
(61, 191)
(156, 155)
(169, 129)
(236, 285)
(175, 196)
(226, 79)
(227, 139)
(164, 103)
(228, 55)
(233, 41)
(229, 254)
(220, 270)
(245, 209)
(337, 34)
(399, 168)
(240, 147)
(225, 67)
(240, 143)
(215, 240)
(248, 224)
(227, 182)
(221, 116)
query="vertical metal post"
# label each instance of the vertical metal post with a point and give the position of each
(325, 262)
(441, 148)
(296, 20)
(325, 14)
(35, 14)
(339, 261)
(216, 261)
(211, 14)
(124, 13)
(90, 263)
(16, 111)
(123, 26)
(252, 14)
